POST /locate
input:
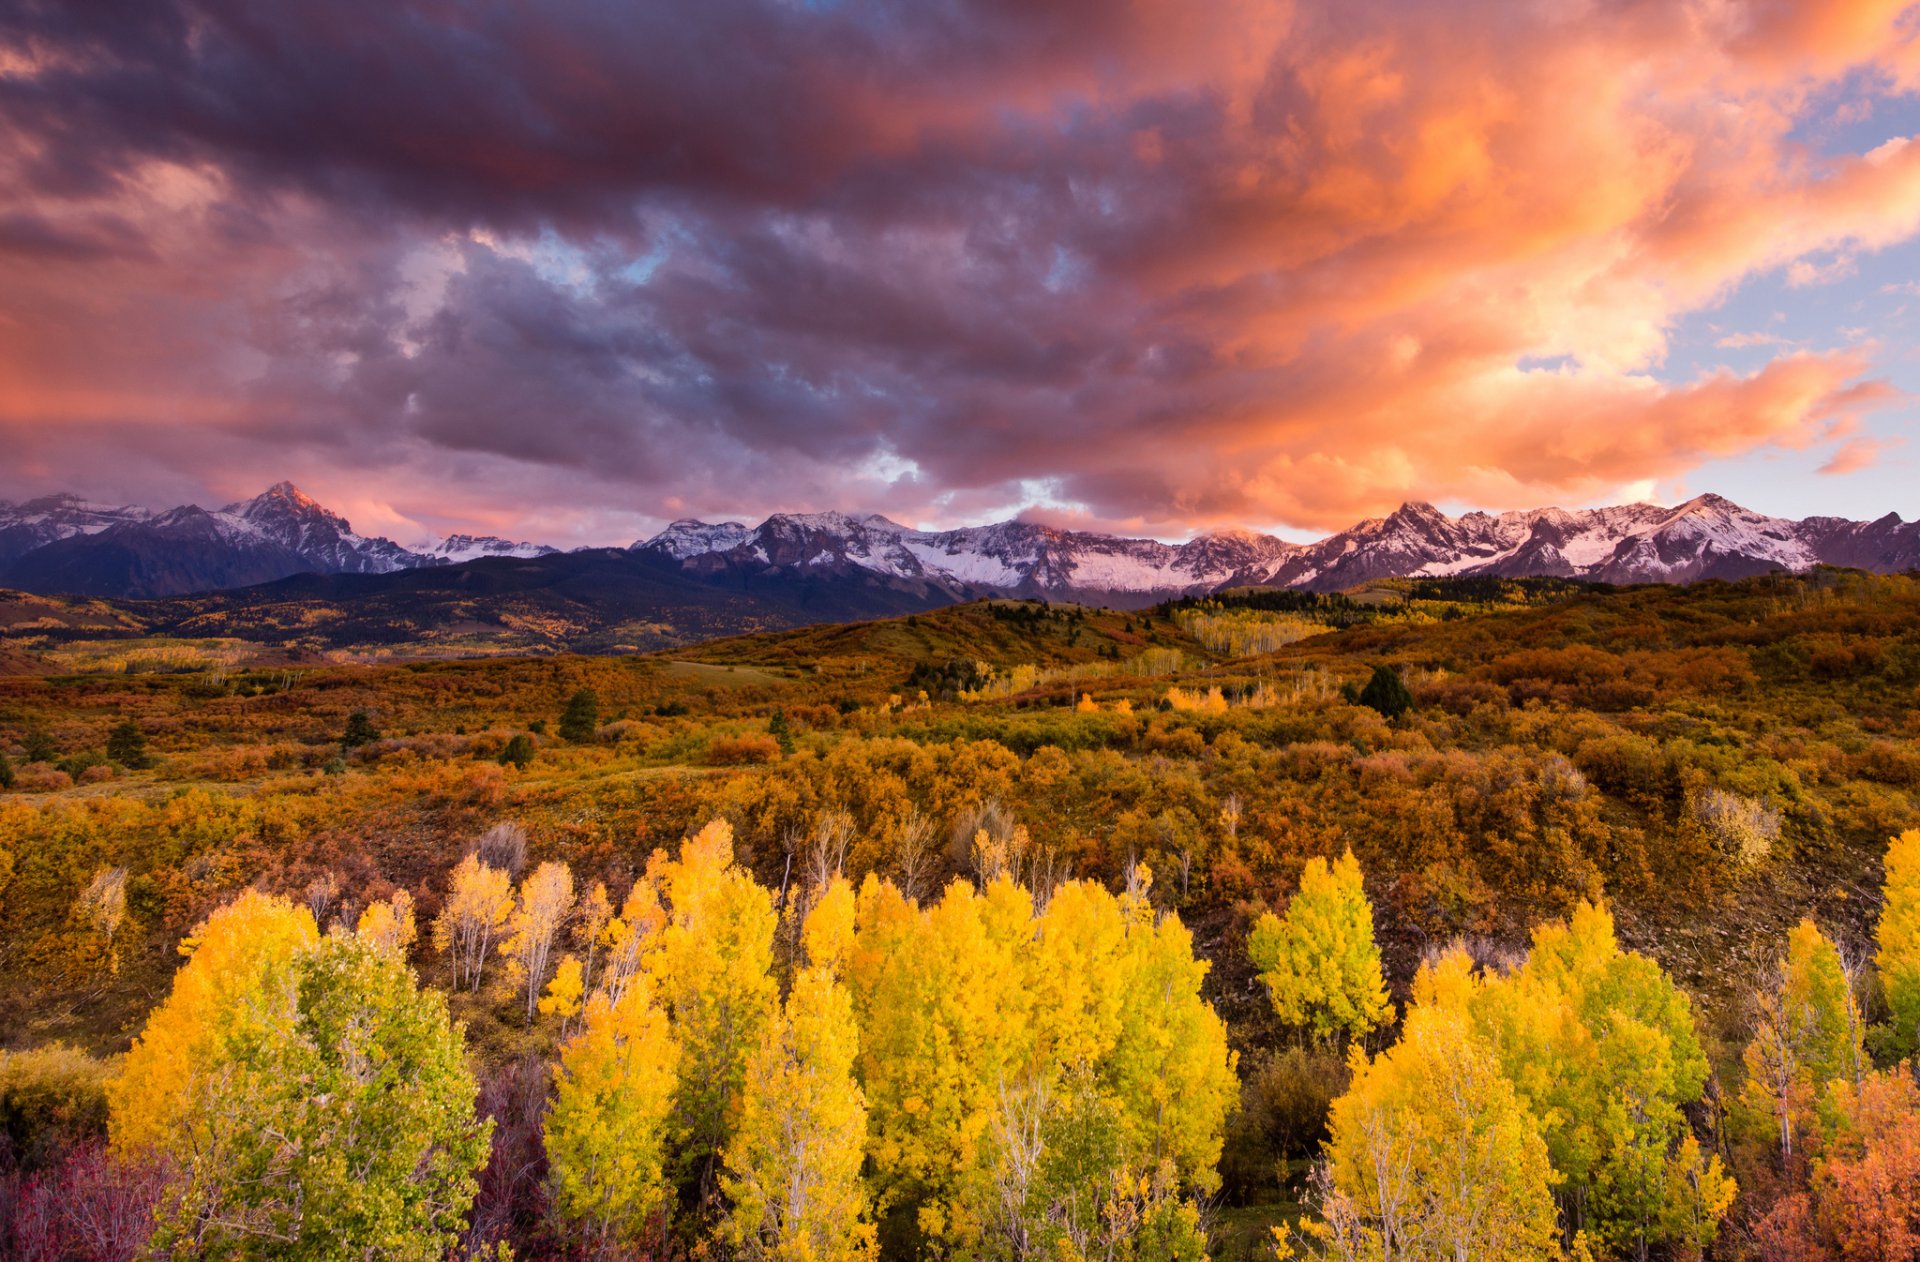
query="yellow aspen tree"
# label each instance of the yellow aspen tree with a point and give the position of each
(565, 993)
(1172, 1071)
(608, 1127)
(157, 1096)
(540, 913)
(590, 920)
(337, 1119)
(102, 907)
(1319, 961)
(1807, 1034)
(793, 1163)
(1432, 1153)
(473, 918)
(1601, 1045)
(1898, 940)
(945, 1017)
(389, 923)
(710, 955)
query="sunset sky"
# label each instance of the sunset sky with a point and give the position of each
(565, 270)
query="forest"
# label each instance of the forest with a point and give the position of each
(1437, 920)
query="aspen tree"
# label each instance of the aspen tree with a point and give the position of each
(607, 1130)
(472, 920)
(156, 1099)
(793, 1163)
(546, 900)
(1319, 961)
(1898, 939)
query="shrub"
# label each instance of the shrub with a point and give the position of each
(51, 1099)
(519, 752)
(755, 747)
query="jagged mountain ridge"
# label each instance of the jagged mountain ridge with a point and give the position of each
(62, 544)
(1706, 537)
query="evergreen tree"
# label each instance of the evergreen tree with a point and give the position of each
(581, 719)
(519, 752)
(127, 745)
(1320, 963)
(1386, 693)
(6, 771)
(360, 731)
(39, 745)
(1898, 941)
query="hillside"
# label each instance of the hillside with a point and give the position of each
(1713, 761)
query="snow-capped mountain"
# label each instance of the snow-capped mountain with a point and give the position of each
(839, 563)
(285, 515)
(455, 549)
(82, 549)
(38, 522)
(1012, 557)
(1706, 537)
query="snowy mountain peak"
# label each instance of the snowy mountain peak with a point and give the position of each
(690, 538)
(455, 549)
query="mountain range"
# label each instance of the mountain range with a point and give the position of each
(1706, 537)
(62, 544)
(259, 568)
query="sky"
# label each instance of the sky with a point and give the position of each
(568, 270)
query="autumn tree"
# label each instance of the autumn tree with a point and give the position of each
(793, 1163)
(706, 941)
(1863, 1198)
(160, 1099)
(304, 1091)
(472, 919)
(102, 908)
(609, 1127)
(545, 902)
(1807, 1033)
(1433, 1154)
(945, 1017)
(1319, 962)
(389, 923)
(1118, 1119)
(1601, 1045)
(1898, 940)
